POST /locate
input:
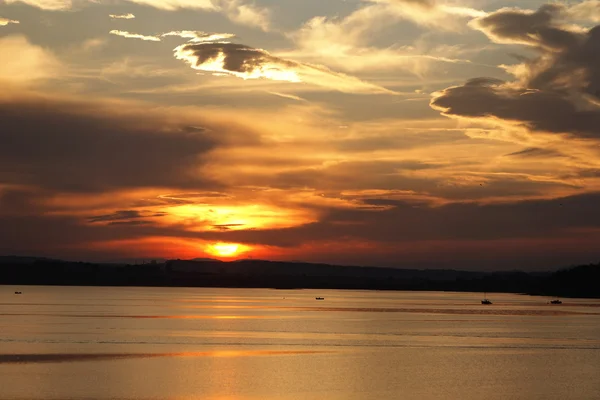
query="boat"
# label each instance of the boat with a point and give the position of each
(18, 293)
(556, 301)
(485, 299)
(319, 298)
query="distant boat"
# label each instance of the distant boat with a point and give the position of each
(319, 298)
(485, 299)
(18, 293)
(556, 301)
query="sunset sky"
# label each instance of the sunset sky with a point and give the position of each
(407, 133)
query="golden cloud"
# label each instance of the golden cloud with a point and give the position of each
(135, 36)
(122, 16)
(6, 21)
(249, 63)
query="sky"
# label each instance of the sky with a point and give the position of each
(401, 133)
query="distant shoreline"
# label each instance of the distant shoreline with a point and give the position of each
(576, 282)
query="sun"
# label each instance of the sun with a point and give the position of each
(224, 249)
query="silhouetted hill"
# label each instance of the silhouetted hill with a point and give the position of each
(573, 282)
(21, 259)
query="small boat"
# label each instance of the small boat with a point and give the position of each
(319, 298)
(18, 293)
(485, 299)
(556, 301)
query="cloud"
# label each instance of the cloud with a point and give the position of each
(193, 36)
(125, 216)
(27, 62)
(585, 11)
(52, 5)
(6, 21)
(435, 14)
(537, 110)
(76, 145)
(172, 5)
(534, 152)
(246, 14)
(249, 63)
(237, 11)
(460, 231)
(135, 36)
(122, 16)
(350, 43)
(287, 96)
(557, 91)
(199, 36)
(541, 28)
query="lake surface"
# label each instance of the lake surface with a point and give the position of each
(195, 343)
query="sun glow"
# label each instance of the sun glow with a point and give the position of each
(212, 217)
(224, 249)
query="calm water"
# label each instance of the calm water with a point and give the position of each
(173, 343)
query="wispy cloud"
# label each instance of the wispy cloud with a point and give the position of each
(287, 96)
(587, 10)
(237, 11)
(436, 14)
(193, 36)
(350, 43)
(53, 5)
(199, 36)
(122, 16)
(6, 21)
(135, 36)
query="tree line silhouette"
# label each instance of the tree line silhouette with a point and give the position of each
(579, 281)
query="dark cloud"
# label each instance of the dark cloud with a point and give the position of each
(237, 57)
(117, 215)
(534, 152)
(251, 63)
(549, 111)
(539, 28)
(130, 223)
(553, 90)
(225, 227)
(83, 146)
(122, 216)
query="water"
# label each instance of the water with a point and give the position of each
(187, 343)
